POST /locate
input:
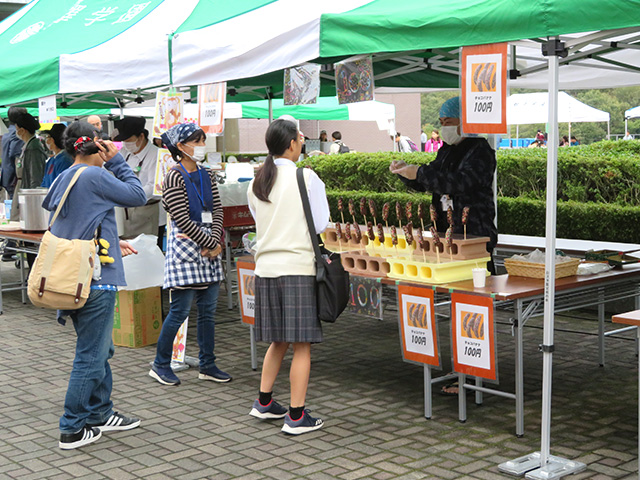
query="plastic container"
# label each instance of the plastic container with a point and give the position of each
(7, 209)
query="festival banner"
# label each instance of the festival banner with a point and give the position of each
(473, 336)
(484, 88)
(164, 162)
(180, 343)
(47, 110)
(418, 333)
(366, 296)
(302, 84)
(169, 111)
(354, 80)
(246, 291)
(211, 98)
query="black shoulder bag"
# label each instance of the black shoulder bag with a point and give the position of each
(332, 281)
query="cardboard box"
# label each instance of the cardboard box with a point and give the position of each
(138, 317)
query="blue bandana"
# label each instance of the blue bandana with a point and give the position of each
(178, 134)
(450, 108)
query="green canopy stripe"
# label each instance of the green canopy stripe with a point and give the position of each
(210, 12)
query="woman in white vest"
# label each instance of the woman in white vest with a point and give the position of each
(285, 309)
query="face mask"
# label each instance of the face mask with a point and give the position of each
(199, 153)
(130, 146)
(450, 135)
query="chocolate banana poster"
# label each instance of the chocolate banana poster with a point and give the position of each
(246, 290)
(417, 319)
(473, 335)
(484, 92)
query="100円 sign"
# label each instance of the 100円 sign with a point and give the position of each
(365, 296)
(418, 334)
(473, 336)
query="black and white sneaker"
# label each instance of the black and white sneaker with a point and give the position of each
(117, 422)
(69, 441)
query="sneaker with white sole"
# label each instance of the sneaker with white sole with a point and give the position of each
(117, 422)
(272, 410)
(214, 374)
(69, 441)
(164, 375)
(306, 423)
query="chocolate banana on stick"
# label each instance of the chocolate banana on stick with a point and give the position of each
(363, 209)
(434, 215)
(339, 234)
(341, 208)
(408, 233)
(465, 217)
(408, 211)
(381, 234)
(370, 232)
(352, 210)
(450, 216)
(357, 234)
(372, 210)
(394, 237)
(399, 213)
(436, 241)
(449, 239)
(422, 242)
(347, 231)
(385, 213)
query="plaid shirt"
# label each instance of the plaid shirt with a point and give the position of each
(184, 265)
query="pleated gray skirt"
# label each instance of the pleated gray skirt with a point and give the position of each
(286, 310)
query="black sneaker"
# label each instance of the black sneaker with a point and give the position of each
(117, 421)
(214, 374)
(69, 441)
(306, 423)
(272, 410)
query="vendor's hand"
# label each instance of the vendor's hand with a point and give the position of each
(127, 249)
(107, 149)
(206, 252)
(401, 168)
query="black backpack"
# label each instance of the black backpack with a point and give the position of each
(343, 148)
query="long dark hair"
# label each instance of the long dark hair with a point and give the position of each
(77, 129)
(278, 139)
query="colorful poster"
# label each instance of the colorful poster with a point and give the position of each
(418, 334)
(354, 80)
(180, 343)
(47, 110)
(246, 290)
(473, 335)
(484, 88)
(169, 111)
(366, 296)
(302, 84)
(164, 163)
(211, 98)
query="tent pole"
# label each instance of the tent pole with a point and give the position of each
(569, 134)
(609, 129)
(550, 467)
(517, 135)
(626, 128)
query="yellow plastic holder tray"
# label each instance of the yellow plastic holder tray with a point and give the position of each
(375, 247)
(413, 270)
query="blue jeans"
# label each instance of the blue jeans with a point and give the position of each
(207, 301)
(88, 398)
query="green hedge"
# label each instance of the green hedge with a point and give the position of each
(518, 216)
(605, 172)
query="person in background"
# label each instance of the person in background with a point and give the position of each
(628, 136)
(434, 143)
(574, 141)
(60, 160)
(30, 164)
(193, 267)
(285, 299)
(97, 123)
(142, 156)
(107, 182)
(403, 143)
(540, 136)
(11, 150)
(338, 145)
(323, 136)
(423, 141)
(564, 141)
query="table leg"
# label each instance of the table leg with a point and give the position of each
(478, 392)
(228, 262)
(462, 398)
(254, 354)
(519, 370)
(427, 392)
(601, 327)
(23, 260)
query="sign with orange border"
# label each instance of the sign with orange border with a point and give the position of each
(483, 70)
(473, 336)
(417, 319)
(246, 291)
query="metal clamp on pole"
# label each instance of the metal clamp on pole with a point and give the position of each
(546, 348)
(554, 47)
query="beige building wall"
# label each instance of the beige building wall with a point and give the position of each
(247, 135)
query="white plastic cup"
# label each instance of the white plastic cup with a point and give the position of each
(479, 277)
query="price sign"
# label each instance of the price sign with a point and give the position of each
(246, 290)
(211, 98)
(484, 88)
(47, 109)
(366, 296)
(418, 334)
(473, 336)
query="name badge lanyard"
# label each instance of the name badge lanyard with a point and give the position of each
(205, 215)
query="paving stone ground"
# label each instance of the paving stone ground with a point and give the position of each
(371, 402)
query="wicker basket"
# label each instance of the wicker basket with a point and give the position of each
(536, 270)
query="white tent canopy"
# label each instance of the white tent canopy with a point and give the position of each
(528, 108)
(632, 113)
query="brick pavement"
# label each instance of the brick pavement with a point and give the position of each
(370, 399)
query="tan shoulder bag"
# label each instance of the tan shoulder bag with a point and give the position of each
(60, 277)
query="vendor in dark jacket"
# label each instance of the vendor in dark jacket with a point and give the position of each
(460, 176)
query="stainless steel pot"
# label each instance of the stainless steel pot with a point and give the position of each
(33, 218)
